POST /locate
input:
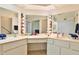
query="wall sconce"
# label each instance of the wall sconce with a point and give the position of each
(22, 23)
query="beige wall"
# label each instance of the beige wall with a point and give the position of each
(5, 12)
(7, 23)
(0, 24)
(43, 25)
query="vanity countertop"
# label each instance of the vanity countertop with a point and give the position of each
(54, 37)
(20, 37)
(64, 38)
(11, 39)
(40, 36)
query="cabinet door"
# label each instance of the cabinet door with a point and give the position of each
(61, 43)
(51, 49)
(66, 51)
(0, 49)
(22, 50)
(74, 45)
(12, 45)
(49, 46)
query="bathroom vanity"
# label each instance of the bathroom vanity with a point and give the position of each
(13, 46)
(39, 45)
(62, 46)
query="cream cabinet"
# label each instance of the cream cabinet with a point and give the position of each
(51, 49)
(67, 51)
(15, 48)
(50, 45)
(1, 49)
(54, 46)
(61, 43)
(61, 47)
(22, 50)
(11, 45)
(74, 45)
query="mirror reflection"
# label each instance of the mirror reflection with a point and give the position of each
(8, 22)
(65, 22)
(36, 24)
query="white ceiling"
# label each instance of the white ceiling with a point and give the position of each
(35, 6)
(49, 8)
(46, 6)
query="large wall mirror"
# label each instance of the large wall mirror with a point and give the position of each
(65, 22)
(36, 23)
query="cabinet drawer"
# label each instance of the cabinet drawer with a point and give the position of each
(74, 45)
(65, 51)
(13, 44)
(61, 43)
(37, 40)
